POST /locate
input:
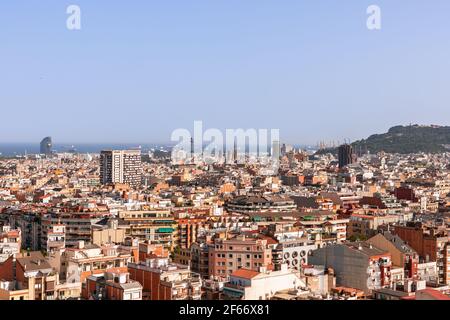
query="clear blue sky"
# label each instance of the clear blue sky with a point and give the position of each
(139, 69)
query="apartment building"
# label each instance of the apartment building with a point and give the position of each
(78, 226)
(88, 259)
(148, 250)
(366, 225)
(325, 231)
(10, 242)
(292, 252)
(319, 281)
(431, 243)
(121, 166)
(402, 254)
(112, 285)
(30, 227)
(56, 238)
(248, 284)
(229, 255)
(108, 230)
(356, 265)
(248, 204)
(33, 278)
(188, 229)
(162, 280)
(157, 226)
(200, 259)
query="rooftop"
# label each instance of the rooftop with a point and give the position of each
(245, 274)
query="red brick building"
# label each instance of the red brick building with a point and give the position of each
(431, 243)
(164, 281)
(229, 255)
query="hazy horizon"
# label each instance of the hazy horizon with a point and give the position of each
(168, 142)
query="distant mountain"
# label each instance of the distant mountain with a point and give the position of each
(405, 139)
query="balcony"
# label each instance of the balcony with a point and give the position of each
(234, 286)
(196, 296)
(56, 244)
(180, 297)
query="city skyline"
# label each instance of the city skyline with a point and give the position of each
(219, 158)
(152, 68)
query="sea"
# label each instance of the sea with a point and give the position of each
(21, 149)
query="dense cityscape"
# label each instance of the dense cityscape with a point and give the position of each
(129, 225)
(224, 159)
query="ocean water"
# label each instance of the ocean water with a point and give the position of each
(19, 149)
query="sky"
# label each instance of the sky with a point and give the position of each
(139, 69)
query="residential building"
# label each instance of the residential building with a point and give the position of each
(402, 254)
(356, 265)
(162, 280)
(248, 284)
(229, 255)
(431, 243)
(112, 285)
(123, 167)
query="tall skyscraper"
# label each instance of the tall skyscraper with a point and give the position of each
(283, 149)
(235, 151)
(46, 146)
(121, 166)
(276, 150)
(192, 150)
(345, 155)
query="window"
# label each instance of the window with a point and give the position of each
(136, 295)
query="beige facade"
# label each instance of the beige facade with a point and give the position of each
(100, 237)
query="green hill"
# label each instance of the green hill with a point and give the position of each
(406, 139)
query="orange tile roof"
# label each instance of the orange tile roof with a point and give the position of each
(270, 240)
(245, 273)
(436, 294)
